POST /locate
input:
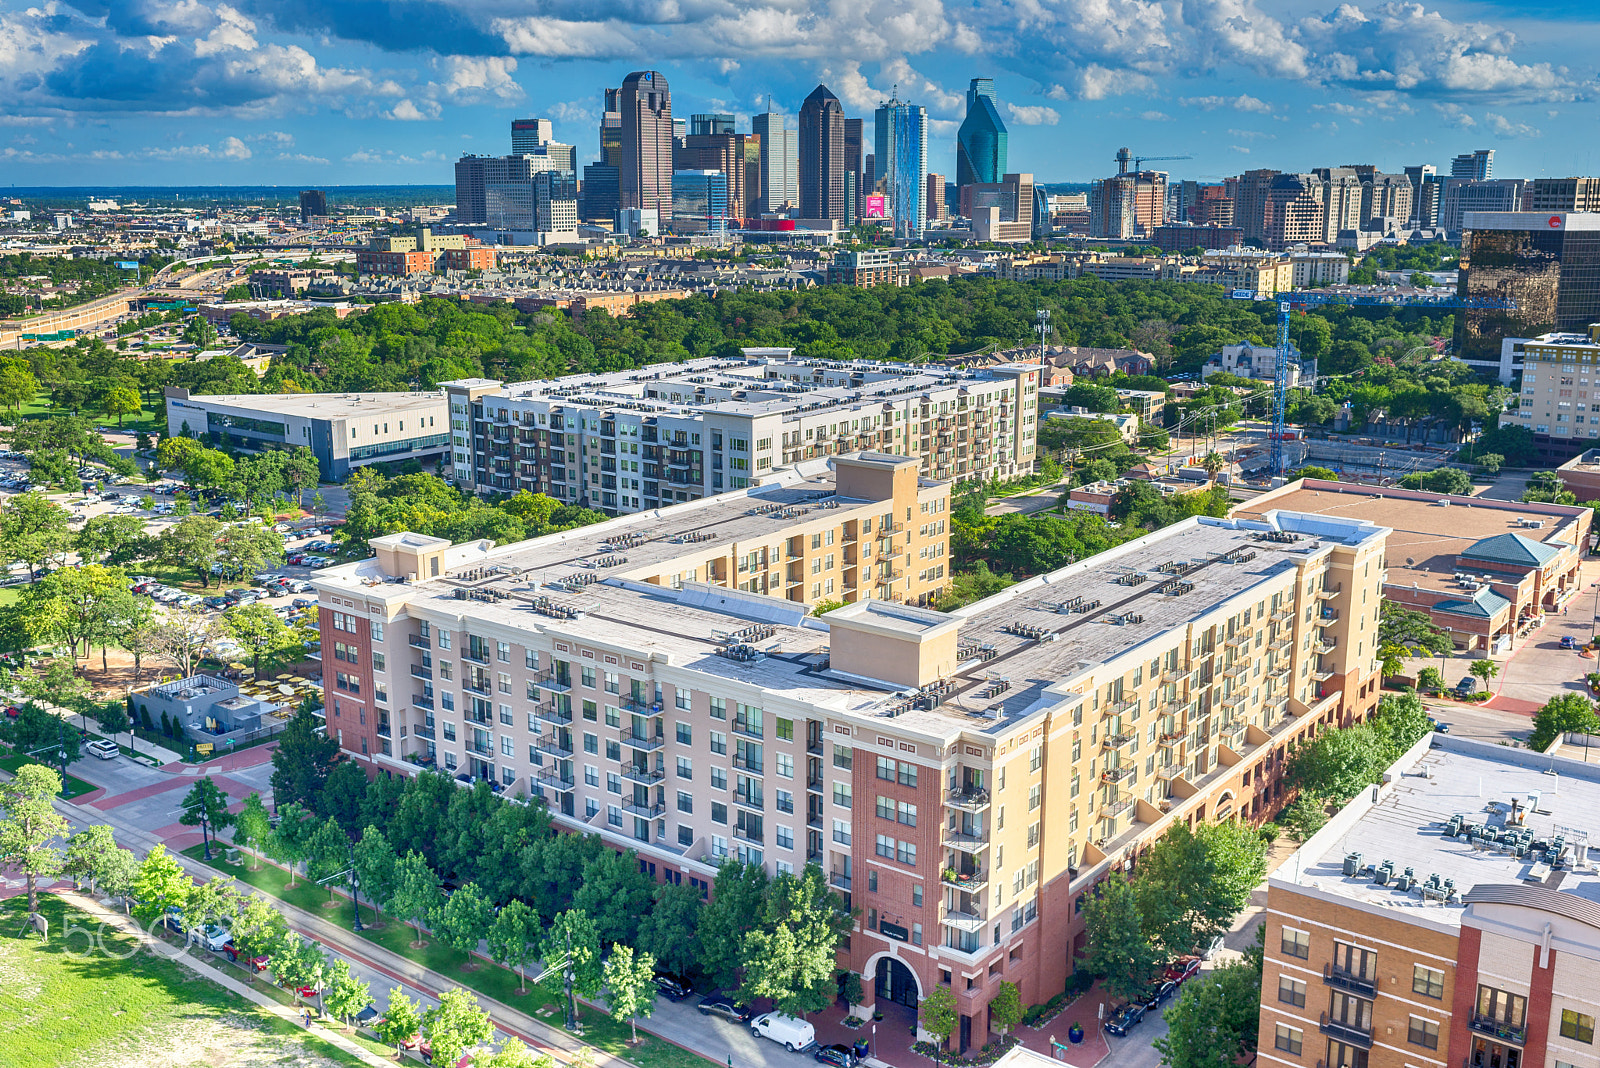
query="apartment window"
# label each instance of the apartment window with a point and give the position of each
(719, 779)
(1428, 982)
(586, 674)
(1291, 991)
(1036, 758)
(685, 734)
(785, 729)
(685, 835)
(1353, 960)
(376, 630)
(908, 774)
(591, 711)
(783, 801)
(842, 756)
(1574, 1025)
(841, 794)
(907, 813)
(614, 815)
(1288, 1039)
(1033, 836)
(719, 813)
(841, 832)
(613, 783)
(685, 801)
(1296, 943)
(785, 763)
(613, 682)
(885, 846)
(590, 807)
(1035, 796)
(681, 698)
(1343, 1055)
(719, 743)
(907, 853)
(886, 768)
(502, 652)
(916, 895)
(613, 750)
(719, 708)
(785, 836)
(1502, 1006)
(1423, 1033)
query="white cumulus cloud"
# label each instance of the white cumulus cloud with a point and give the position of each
(1033, 115)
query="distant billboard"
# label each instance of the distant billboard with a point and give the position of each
(877, 207)
(127, 265)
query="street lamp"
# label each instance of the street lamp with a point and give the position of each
(1595, 620)
(355, 893)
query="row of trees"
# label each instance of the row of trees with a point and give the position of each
(764, 937)
(1184, 892)
(252, 479)
(1335, 765)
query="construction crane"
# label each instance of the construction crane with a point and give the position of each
(1125, 155)
(1311, 298)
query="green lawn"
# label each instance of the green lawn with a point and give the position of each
(60, 1005)
(491, 980)
(10, 594)
(73, 786)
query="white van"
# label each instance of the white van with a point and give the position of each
(794, 1034)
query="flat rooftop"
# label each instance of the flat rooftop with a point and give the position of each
(324, 405)
(1427, 537)
(1013, 646)
(1475, 780)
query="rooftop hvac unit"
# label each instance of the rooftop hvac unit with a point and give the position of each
(1352, 865)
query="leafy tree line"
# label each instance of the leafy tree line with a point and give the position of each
(762, 937)
(1337, 764)
(427, 504)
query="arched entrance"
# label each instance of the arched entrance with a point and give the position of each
(895, 982)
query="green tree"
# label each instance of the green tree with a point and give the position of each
(114, 540)
(112, 717)
(93, 856)
(416, 891)
(1304, 816)
(345, 995)
(513, 939)
(790, 956)
(1337, 764)
(456, 1025)
(299, 963)
(259, 629)
(252, 828)
(30, 827)
(344, 792)
(1215, 1020)
(1484, 670)
(302, 762)
(464, 919)
(327, 854)
(1568, 713)
(1193, 882)
(737, 898)
(33, 530)
(291, 838)
(191, 542)
(249, 547)
(43, 735)
(668, 930)
(374, 861)
(938, 1012)
(120, 401)
(401, 1021)
(573, 945)
(161, 884)
(1312, 471)
(1429, 680)
(1391, 659)
(1119, 950)
(1410, 629)
(1005, 1008)
(206, 807)
(630, 986)
(258, 928)
(615, 894)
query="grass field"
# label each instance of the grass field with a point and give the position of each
(600, 1030)
(61, 1009)
(150, 420)
(73, 786)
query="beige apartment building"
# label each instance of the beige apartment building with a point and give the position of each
(1447, 918)
(1561, 386)
(631, 441)
(964, 779)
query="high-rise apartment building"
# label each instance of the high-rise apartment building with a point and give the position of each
(611, 130)
(1128, 205)
(1562, 194)
(716, 122)
(1295, 212)
(1462, 195)
(1476, 166)
(1426, 186)
(821, 157)
(725, 152)
(1560, 371)
(1443, 917)
(645, 175)
(981, 141)
(1000, 211)
(933, 198)
(313, 203)
(780, 163)
(1385, 200)
(1547, 264)
(742, 419)
(900, 142)
(1342, 193)
(1250, 204)
(700, 201)
(963, 783)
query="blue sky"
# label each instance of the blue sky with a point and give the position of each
(335, 92)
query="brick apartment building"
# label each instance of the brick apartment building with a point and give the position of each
(964, 779)
(1449, 917)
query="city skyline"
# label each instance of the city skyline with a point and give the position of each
(345, 94)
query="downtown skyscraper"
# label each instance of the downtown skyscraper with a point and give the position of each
(821, 157)
(780, 161)
(981, 141)
(645, 176)
(900, 137)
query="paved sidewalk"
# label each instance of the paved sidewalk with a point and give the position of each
(221, 978)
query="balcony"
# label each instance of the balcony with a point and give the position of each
(962, 921)
(648, 812)
(552, 776)
(1116, 775)
(1114, 742)
(420, 672)
(973, 801)
(422, 700)
(1326, 646)
(1282, 615)
(549, 681)
(1236, 670)
(474, 658)
(839, 879)
(1176, 675)
(1322, 676)
(1127, 705)
(1282, 645)
(750, 764)
(1498, 1028)
(1241, 639)
(417, 641)
(741, 728)
(640, 742)
(422, 732)
(1168, 772)
(384, 730)
(1328, 594)
(1345, 1032)
(1342, 979)
(1328, 615)
(484, 690)
(643, 775)
(480, 750)
(552, 745)
(1116, 809)
(745, 834)
(551, 714)
(966, 843)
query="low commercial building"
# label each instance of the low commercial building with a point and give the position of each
(1249, 360)
(424, 253)
(965, 780)
(1127, 423)
(343, 430)
(628, 441)
(1485, 571)
(867, 267)
(1448, 916)
(1581, 475)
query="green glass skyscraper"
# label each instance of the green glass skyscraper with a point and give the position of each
(981, 141)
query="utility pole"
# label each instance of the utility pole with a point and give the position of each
(1042, 317)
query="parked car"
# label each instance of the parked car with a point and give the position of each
(722, 1005)
(1182, 969)
(838, 1054)
(213, 937)
(1568, 642)
(304, 602)
(103, 749)
(790, 1032)
(1468, 684)
(673, 987)
(1124, 1019)
(1158, 992)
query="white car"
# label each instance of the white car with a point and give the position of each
(793, 1033)
(213, 937)
(103, 749)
